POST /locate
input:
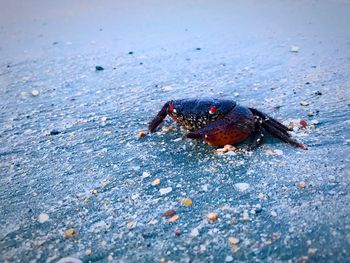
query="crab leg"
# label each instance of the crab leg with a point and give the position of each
(259, 134)
(271, 121)
(157, 120)
(282, 136)
(277, 129)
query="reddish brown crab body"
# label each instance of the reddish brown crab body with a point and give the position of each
(219, 122)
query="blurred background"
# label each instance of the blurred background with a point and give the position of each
(79, 81)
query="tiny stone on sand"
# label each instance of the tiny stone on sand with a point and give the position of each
(212, 217)
(164, 191)
(155, 182)
(71, 232)
(35, 93)
(43, 217)
(242, 187)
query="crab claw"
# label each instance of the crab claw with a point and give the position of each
(226, 131)
(216, 135)
(158, 119)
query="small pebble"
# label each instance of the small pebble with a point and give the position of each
(304, 103)
(302, 185)
(35, 92)
(212, 217)
(88, 252)
(258, 208)
(145, 175)
(167, 88)
(273, 213)
(186, 202)
(103, 119)
(164, 191)
(155, 182)
(142, 134)
(54, 132)
(130, 53)
(169, 213)
(310, 114)
(43, 217)
(228, 259)
(178, 232)
(71, 232)
(173, 218)
(94, 191)
(99, 68)
(294, 49)
(242, 187)
(233, 240)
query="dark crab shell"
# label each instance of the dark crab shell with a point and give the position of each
(196, 113)
(219, 122)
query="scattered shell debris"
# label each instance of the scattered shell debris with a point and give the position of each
(294, 49)
(173, 218)
(164, 191)
(145, 174)
(35, 93)
(186, 202)
(212, 217)
(71, 232)
(242, 187)
(302, 185)
(141, 134)
(167, 88)
(304, 103)
(155, 182)
(226, 149)
(169, 213)
(43, 217)
(233, 240)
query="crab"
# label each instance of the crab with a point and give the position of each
(220, 122)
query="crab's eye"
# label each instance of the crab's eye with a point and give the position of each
(212, 110)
